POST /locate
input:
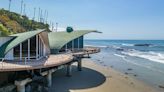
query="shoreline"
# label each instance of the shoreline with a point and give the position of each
(97, 78)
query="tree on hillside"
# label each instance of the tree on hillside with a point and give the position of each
(16, 23)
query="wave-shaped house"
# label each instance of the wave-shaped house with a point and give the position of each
(41, 52)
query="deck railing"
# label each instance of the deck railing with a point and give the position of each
(17, 60)
(24, 61)
(86, 50)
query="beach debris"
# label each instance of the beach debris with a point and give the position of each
(131, 73)
(135, 75)
(104, 65)
(101, 62)
(108, 76)
(126, 73)
(160, 86)
(131, 83)
(129, 69)
(126, 77)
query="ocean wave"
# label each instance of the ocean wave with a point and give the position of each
(115, 47)
(147, 45)
(126, 44)
(153, 56)
(122, 56)
(96, 46)
(141, 45)
(138, 64)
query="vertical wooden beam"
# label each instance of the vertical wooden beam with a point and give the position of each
(43, 49)
(72, 44)
(20, 53)
(28, 49)
(66, 47)
(36, 46)
(78, 43)
(39, 46)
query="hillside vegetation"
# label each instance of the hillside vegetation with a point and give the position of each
(11, 23)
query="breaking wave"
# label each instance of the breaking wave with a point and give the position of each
(153, 56)
(125, 44)
(148, 67)
(96, 46)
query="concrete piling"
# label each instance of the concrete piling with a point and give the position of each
(69, 70)
(21, 84)
(49, 78)
(79, 65)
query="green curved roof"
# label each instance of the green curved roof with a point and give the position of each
(18, 38)
(58, 39)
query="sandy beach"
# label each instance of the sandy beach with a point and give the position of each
(96, 78)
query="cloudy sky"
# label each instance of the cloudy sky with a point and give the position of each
(117, 19)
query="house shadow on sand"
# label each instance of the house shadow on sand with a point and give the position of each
(87, 78)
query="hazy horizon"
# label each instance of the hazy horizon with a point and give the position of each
(121, 39)
(117, 19)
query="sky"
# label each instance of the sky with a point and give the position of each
(117, 19)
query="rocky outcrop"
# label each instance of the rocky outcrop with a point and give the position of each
(147, 45)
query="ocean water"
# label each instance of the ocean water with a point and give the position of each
(142, 59)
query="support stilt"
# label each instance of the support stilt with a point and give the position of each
(49, 78)
(79, 65)
(21, 84)
(69, 70)
(88, 55)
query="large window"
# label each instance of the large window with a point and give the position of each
(69, 45)
(33, 47)
(17, 52)
(81, 43)
(23, 49)
(74, 44)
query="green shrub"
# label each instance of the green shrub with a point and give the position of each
(4, 31)
(17, 23)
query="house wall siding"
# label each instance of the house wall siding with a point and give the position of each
(4, 40)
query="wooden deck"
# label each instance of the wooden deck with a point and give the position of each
(86, 51)
(51, 61)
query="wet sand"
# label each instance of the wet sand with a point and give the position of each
(96, 78)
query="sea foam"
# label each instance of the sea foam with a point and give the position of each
(125, 44)
(153, 56)
(96, 46)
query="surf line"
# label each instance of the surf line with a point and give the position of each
(124, 58)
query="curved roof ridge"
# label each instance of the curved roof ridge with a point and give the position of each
(58, 39)
(18, 38)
